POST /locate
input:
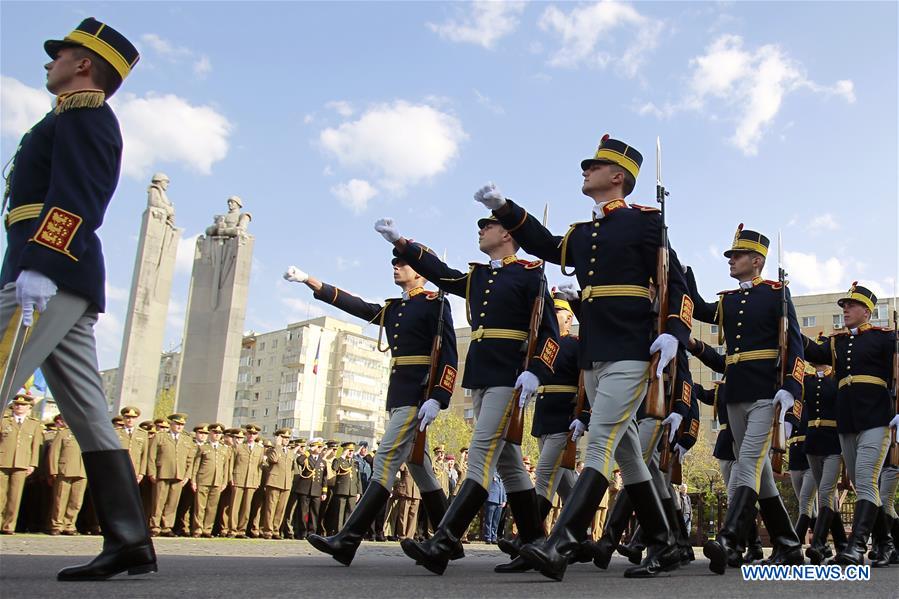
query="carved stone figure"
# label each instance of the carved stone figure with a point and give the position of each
(157, 198)
(232, 224)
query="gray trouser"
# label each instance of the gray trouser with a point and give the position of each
(864, 453)
(395, 448)
(650, 431)
(616, 390)
(805, 489)
(62, 345)
(826, 470)
(488, 451)
(727, 467)
(889, 480)
(551, 477)
(750, 423)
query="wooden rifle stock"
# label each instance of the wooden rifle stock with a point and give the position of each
(778, 439)
(655, 396)
(569, 456)
(894, 446)
(417, 457)
(515, 432)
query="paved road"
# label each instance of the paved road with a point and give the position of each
(204, 567)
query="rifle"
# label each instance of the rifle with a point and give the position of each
(778, 439)
(516, 422)
(417, 456)
(569, 456)
(894, 446)
(655, 397)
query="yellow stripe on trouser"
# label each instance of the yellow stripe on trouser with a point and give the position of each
(760, 463)
(879, 464)
(653, 441)
(497, 439)
(391, 453)
(611, 442)
(557, 468)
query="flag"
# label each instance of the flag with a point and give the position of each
(317, 352)
(39, 383)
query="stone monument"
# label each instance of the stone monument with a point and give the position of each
(216, 308)
(148, 303)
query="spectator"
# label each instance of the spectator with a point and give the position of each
(687, 506)
(496, 501)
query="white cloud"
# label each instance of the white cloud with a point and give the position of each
(22, 106)
(485, 24)
(347, 263)
(297, 309)
(184, 257)
(585, 35)
(354, 194)
(168, 129)
(308, 119)
(175, 317)
(341, 107)
(115, 294)
(810, 274)
(824, 222)
(327, 171)
(164, 47)
(202, 67)
(402, 143)
(489, 104)
(748, 84)
(108, 332)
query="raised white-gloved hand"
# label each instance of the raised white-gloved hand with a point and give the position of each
(387, 228)
(894, 423)
(788, 429)
(490, 196)
(33, 291)
(784, 399)
(665, 343)
(428, 413)
(577, 429)
(528, 383)
(674, 419)
(568, 290)
(295, 275)
(681, 452)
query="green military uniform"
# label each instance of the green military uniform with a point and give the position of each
(170, 463)
(280, 459)
(246, 474)
(347, 486)
(211, 474)
(69, 480)
(310, 488)
(136, 441)
(20, 446)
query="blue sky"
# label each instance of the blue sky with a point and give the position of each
(324, 117)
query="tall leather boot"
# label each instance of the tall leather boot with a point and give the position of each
(528, 530)
(343, 545)
(683, 539)
(126, 539)
(662, 553)
(838, 532)
(787, 549)
(854, 552)
(551, 556)
(434, 554)
(435, 504)
(881, 540)
(616, 522)
(723, 549)
(815, 552)
(894, 532)
(802, 526)
(751, 542)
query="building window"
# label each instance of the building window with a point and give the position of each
(469, 414)
(266, 412)
(258, 379)
(808, 321)
(259, 362)
(717, 376)
(714, 328)
(274, 343)
(838, 321)
(467, 392)
(252, 413)
(262, 346)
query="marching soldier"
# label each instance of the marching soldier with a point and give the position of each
(347, 484)
(67, 473)
(801, 477)
(499, 298)
(169, 464)
(135, 440)
(280, 459)
(246, 474)
(63, 177)
(862, 359)
(210, 475)
(410, 324)
(748, 319)
(20, 449)
(885, 536)
(614, 256)
(311, 488)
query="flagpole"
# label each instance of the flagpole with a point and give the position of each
(315, 384)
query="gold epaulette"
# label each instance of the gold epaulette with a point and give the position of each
(645, 208)
(86, 98)
(528, 264)
(432, 295)
(774, 284)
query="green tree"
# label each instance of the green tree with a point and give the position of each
(701, 471)
(165, 403)
(449, 429)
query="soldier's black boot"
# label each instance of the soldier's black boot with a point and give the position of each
(881, 540)
(838, 532)
(723, 549)
(662, 552)
(616, 522)
(816, 551)
(524, 505)
(434, 554)
(343, 545)
(786, 548)
(802, 526)
(894, 532)
(633, 550)
(750, 542)
(126, 539)
(683, 537)
(854, 552)
(436, 503)
(552, 555)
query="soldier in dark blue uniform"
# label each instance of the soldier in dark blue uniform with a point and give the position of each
(64, 174)
(614, 256)
(801, 476)
(862, 358)
(409, 323)
(748, 319)
(499, 301)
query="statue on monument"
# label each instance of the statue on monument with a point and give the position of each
(232, 224)
(157, 198)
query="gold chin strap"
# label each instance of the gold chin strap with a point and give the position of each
(565, 252)
(381, 328)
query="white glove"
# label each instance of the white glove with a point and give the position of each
(894, 423)
(785, 400)
(568, 291)
(528, 384)
(788, 429)
(667, 345)
(387, 228)
(33, 291)
(490, 196)
(295, 275)
(681, 452)
(674, 419)
(577, 429)
(428, 413)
